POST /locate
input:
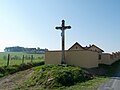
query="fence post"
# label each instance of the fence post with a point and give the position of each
(8, 60)
(31, 58)
(23, 59)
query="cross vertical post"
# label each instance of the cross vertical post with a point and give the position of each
(63, 28)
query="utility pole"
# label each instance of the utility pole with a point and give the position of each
(63, 28)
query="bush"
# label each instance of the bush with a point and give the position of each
(38, 63)
(24, 66)
(1, 75)
(11, 70)
(15, 68)
(2, 70)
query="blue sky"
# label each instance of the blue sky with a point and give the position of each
(31, 23)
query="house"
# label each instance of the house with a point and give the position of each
(86, 57)
(76, 46)
(93, 47)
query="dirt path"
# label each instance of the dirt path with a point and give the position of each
(12, 81)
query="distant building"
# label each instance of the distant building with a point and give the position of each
(14, 49)
(27, 50)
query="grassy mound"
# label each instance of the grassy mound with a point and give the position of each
(54, 76)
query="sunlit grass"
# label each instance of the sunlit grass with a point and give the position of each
(4, 56)
(3, 62)
(16, 62)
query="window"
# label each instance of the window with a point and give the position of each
(99, 57)
(76, 47)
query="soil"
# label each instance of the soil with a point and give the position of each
(11, 82)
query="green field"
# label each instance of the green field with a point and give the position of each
(16, 58)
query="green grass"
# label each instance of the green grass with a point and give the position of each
(15, 62)
(89, 85)
(19, 55)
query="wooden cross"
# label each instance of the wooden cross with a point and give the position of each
(63, 28)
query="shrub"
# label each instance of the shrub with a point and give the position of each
(11, 70)
(1, 75)
(2, 70)
(24, 66)
(38, 63)
(15, 68)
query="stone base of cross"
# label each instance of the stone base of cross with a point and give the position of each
(63, 28)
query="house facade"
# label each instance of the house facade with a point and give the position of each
(86, 57)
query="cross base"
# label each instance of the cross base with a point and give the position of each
(63, 62)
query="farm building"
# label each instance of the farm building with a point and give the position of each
(86, 57)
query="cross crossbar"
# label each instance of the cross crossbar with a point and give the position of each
(63, 28)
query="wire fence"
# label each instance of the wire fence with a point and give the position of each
(16, 60)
